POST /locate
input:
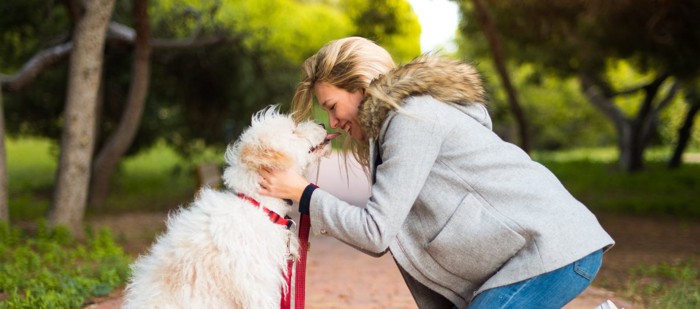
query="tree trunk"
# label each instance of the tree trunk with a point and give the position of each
(77, 140)
(693, 99)
(4, 207)
(118, 143)
(632, 158)
(600, 98)
(487, 26)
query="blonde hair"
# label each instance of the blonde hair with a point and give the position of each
(351, 64)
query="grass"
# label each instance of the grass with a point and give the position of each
(31, 168)
(155, 180)
(159, 179)
(593, 176)
(665, 285)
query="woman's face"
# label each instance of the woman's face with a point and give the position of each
(342, 108)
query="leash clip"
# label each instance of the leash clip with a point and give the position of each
(292, 229)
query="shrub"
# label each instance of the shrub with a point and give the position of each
(52, 269)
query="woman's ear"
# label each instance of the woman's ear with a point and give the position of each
(264, 157)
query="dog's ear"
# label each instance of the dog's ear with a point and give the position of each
(258, 158)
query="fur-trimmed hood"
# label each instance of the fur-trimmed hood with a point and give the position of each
(447, 80)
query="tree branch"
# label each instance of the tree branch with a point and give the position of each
(126, 35)
(649, 115)
(116, 33)
(669, 96)
(595, 89)
(650, 92)
(37, 64)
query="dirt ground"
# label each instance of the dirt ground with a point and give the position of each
(639, 241)
(646, 241)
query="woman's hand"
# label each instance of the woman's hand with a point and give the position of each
(285, 184)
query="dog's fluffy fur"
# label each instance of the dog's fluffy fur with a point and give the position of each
(221, 251)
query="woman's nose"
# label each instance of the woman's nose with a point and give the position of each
(333, 122)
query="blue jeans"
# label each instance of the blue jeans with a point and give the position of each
(550, 290)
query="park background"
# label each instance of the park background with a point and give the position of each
(107, 108)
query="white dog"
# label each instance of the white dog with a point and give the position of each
(223, 251)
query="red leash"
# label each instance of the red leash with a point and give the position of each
(300, 282)
(300, 290)
(304, 228)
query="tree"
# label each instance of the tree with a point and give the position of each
(692, 97)
(118, 143)
(634, 132)
(487, 25)
(583, 38)
(4, 207)
(72, 179)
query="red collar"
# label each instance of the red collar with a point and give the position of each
(274, 217)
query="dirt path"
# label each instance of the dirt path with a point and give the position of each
(341, 277)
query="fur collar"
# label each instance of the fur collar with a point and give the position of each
(447, 80)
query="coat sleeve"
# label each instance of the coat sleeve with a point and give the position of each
(409, 148)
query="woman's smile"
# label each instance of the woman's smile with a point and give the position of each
(342, 107)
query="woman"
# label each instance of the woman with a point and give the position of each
(471, 220)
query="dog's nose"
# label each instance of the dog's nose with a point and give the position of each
(322, 125)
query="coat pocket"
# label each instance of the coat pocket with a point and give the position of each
(474, 244)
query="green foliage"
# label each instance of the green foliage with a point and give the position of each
(293, 29)
(627, 44)
(34, 111)
(554, 116)
(26, 27)
(666, 285)
(392, 24)
(225, 84)
(560, 116)
(51, 269)
(569, 36)
(201, 95)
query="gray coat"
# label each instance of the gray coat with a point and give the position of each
(460, 210)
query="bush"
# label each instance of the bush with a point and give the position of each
(51, 269)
